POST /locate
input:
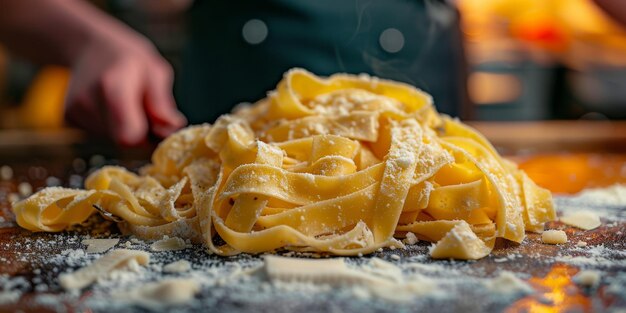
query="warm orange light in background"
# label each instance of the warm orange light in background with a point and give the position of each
(493, 88)
(575, 31)
(571, 173)
(556, 292)
(42, 106)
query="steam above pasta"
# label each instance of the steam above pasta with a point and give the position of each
(343, 165)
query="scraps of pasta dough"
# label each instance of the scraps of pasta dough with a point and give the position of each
(169, 244)
(554, 237)
(100, 245)
(113, 260)
(179, 266)
(410, 239)
(154, 295)
(344, 165)
(380, 278)
(460, 243)
(586, 220)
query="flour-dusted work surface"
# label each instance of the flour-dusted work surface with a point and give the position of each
(587, 273)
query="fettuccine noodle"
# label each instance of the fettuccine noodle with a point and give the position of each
(344, 165)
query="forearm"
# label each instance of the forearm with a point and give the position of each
(51, 31)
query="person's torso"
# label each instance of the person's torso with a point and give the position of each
(240, 49)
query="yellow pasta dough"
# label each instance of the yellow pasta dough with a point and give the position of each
(344, 165)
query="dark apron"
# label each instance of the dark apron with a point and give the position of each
(417, 42)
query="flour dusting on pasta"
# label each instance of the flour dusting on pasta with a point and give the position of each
(344, 165)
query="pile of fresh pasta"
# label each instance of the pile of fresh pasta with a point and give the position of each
(344, 165)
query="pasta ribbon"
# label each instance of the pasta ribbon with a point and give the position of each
(343, 165)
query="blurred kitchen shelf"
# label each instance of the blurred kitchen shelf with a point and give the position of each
(62, 143)
(555, 136)
(19, 138)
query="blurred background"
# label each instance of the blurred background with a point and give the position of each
(518, 60)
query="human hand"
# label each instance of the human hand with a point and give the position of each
(122, 88)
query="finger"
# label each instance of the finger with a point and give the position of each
(122, 94)
(160, 104)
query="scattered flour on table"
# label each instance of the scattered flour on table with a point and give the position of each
(507, 283)
(12, 288)
(607, 203)
(611, 196)
(594, 256)
(204, 280)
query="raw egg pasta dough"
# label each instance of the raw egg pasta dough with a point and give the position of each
(344, 165)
